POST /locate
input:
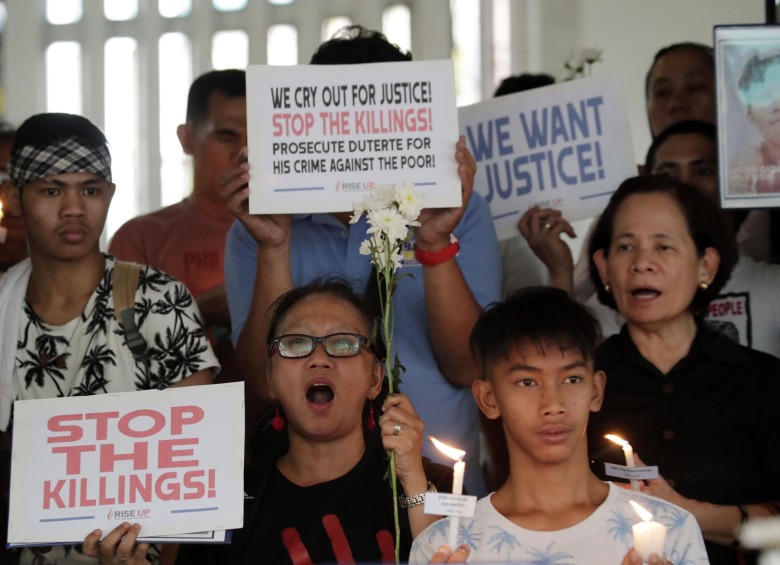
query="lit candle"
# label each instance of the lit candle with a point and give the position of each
(628, 451)
(457, 483)
(649, 536)
(3, 231)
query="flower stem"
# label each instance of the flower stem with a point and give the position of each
(387, 304)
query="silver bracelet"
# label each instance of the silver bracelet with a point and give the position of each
(417, 499)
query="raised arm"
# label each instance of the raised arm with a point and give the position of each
(251, 300)
(542, 228)
(451, 306)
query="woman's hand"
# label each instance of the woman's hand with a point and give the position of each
(542, 229)
(436, 224)
(402, 432)
(269, 230)
(118, 547)
(661, 488)
(444, 555)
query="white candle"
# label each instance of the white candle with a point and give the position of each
(457, 484)
(457, 488)
(628, 451)
(457, 477)
(649, 536)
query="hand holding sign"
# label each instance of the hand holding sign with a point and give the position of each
(436, 225)
(117, 547)
(270, 231)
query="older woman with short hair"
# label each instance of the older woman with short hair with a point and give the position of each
(703, 408)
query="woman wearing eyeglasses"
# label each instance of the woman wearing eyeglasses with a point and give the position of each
(326, 499)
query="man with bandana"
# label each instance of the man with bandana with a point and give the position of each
(59, 335)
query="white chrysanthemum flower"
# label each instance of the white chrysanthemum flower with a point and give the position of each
(381, 196)
(409, 201)
(591, 55)
(365, 247)
(389, 222)
(358, 209)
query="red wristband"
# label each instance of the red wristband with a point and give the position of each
(431, 259)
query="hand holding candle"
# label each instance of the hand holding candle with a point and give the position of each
(457, 483)
(628, 451)
(649, 536)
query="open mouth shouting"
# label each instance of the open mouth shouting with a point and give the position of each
(319, 393)
(645, 293)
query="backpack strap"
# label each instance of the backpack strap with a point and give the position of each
(126, 277)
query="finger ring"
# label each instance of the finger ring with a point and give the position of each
(397, 429)
(123, 558)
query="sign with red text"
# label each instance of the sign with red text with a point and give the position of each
(170, 460)
(566, 146)
(321, 136)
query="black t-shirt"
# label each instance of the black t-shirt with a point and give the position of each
(710, 424)
(341, 521)
(285, 523)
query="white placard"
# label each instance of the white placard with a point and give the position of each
(445, 504)
(170, 460)
(631, 473)
(321, 136)
(218, 536)
(565, 146)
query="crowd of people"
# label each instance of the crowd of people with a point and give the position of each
(515, 353)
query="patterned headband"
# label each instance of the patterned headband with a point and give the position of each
(65, 156)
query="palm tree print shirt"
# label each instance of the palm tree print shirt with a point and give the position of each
(88, 355)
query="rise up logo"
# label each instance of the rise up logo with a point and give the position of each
(129, 514)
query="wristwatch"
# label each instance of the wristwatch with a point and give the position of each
(417, 499)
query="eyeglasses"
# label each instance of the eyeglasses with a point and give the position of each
(296, 346)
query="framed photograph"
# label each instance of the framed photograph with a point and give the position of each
(747, 60)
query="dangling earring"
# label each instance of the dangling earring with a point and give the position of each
(607, 288)
(278, 422)
(370, 421)
(703, 285)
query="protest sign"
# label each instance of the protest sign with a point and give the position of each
(321, 136)
(566, 146)
(170, 460)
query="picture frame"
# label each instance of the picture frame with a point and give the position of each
(747, 71)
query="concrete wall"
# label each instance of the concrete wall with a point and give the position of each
(631, 31)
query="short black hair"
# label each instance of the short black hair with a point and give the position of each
(706, 227)
(42, 130)
(754, 72)
(705, 50)
(230, 82)
(356, 44)
(523, 82)
(685, 127)
(334, 286)
(542, 316)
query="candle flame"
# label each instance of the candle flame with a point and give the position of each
(451, 452)
(643, 513)
(617, 439)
